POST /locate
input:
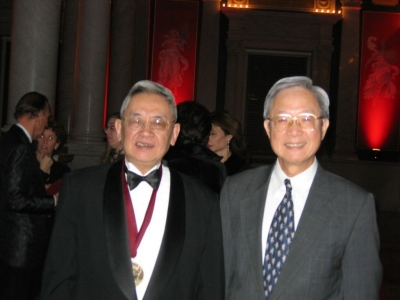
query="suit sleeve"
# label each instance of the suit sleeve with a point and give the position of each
(61, 269)
(361, 268)
(226, 232)
(22, 196)
(211, 279)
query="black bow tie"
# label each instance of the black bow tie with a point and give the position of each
(134, 179)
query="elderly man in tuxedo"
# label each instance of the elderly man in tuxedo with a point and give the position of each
(292, 230)
(25, 209)
(137, 229)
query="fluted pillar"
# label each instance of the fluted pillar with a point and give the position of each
(34, 51)
(121, 53)
(348, 79)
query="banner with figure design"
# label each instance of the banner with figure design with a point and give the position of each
(174, 47)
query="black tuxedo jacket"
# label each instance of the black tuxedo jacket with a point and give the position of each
(89, 254)
(25, 209)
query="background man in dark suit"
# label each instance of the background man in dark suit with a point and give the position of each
(321, 240)
(25, 209)
(96, 252)
(190, 154)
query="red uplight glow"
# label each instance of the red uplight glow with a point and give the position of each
(377, 118)
(379, 90)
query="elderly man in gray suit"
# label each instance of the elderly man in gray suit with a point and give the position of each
(292, 230)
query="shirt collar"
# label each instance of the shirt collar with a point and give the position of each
(301, 182)
(131, 167)
(26, 132)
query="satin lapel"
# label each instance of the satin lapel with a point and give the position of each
(172, 243)
(253, 212)
(117, 233)
(308, 234)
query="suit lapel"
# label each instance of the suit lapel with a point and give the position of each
(173, 239)
(310, 228)
(253, 212)
(116, 232)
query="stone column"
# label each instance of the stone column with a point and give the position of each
(34, 51)
(121, 53)
(66, 80)
(346, 128)
(207, 64)
(87, 136)
(141, 41)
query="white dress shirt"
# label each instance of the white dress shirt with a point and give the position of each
(301, 185)
(149, 247)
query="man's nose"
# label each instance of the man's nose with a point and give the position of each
(295, 127)
(146, 127)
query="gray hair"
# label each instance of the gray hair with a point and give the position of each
(150, 87)
(297, 81)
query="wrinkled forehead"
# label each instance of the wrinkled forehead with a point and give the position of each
(148, 105)
(299, 99)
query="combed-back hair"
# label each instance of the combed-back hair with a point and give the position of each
(297, 81)
(150, 87)
(30, 105)
(195, 123)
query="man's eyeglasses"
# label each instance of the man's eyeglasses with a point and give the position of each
(306, 121)
(157, 124)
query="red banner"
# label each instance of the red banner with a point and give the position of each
(379, 90)
(174, 47)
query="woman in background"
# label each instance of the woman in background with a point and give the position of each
(53, 138)
(226, 140)
(114, 148)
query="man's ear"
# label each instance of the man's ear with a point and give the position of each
(118, 128)
(267, 127)
(175, 133)
(325, 125)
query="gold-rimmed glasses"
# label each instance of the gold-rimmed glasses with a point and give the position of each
(305, 121)
(155, 124)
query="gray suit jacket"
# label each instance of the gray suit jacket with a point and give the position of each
(335, 251)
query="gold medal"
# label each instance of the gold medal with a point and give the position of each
(137, 273)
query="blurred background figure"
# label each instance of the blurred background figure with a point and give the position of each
(226, 140)
(114, 150)
(25, 209)
(52, 140)
(190, 154)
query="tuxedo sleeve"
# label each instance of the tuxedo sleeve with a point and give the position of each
(21, 180)
(361, 268)
(211, 279)
(61, 269)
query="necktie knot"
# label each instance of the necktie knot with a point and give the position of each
(133, 179)
(288, 185)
